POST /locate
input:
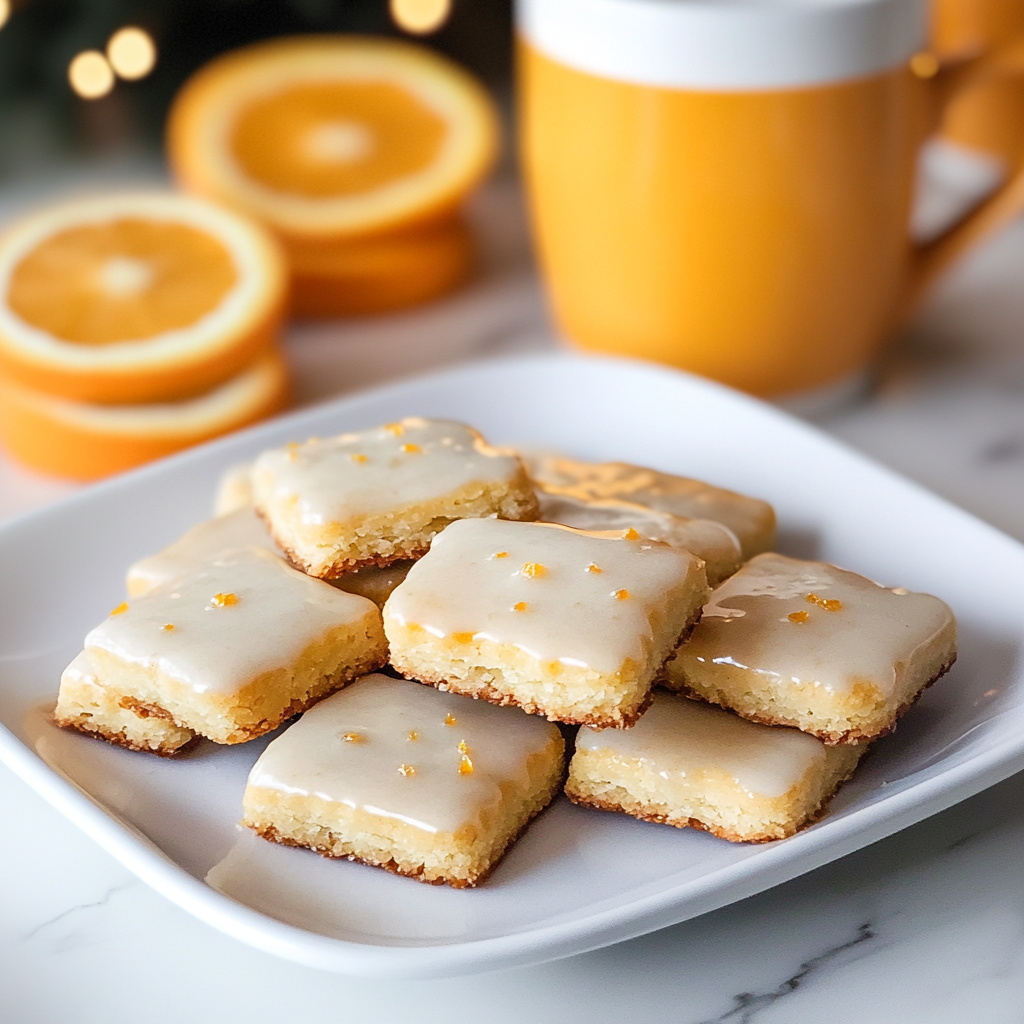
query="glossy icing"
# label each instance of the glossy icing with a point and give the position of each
(406, 754)
(714, 542)
(242, 614)
(750, 519)
(677, 737)
(383, 469)
(793, 621)
(561, 595)
(239, 529)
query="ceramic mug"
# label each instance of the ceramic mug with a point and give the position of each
(726, 187)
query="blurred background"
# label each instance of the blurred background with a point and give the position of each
(44, 122)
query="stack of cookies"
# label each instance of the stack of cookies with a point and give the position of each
(516, 597)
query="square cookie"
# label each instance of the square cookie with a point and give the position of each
(398, 775)
(750, 519)
(686, 763)
(233, 649)
(84, 704)
(381, 495)
(789, 642)
(712, 541)
(560, 622)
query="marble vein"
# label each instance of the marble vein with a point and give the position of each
(79, 908)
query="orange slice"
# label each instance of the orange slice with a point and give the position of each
(135, 298)
(331, 136)
(86, 442)
(379, 274)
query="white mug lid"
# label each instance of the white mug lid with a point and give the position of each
(726, 45)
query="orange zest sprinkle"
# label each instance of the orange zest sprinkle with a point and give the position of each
(621, 595)
(463, 749)
(413, 735)
(394, 429)
(450, 719)
(406, 769)
(122, 607)
(223, 600)
(359, 458)
(595, 569)
(167, 627)
(797, 616)
(812, 598)
(500, 554)
(354, 737)
(829, 604)
(465, 766)
(520, 606)
(534, 570)
(412, 449)
(462, 638)
(630, 534)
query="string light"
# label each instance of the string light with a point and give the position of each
(5, 12)
(131, 52)
(90, 75)
(420, 17)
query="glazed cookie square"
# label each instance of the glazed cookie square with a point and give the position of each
(235, 648)
(398, 775)
(686, 763)
(381, 495)
(712, 541)
(202, 544)
(84, 704)
(751, 520)
(560, 622)
(789, 642)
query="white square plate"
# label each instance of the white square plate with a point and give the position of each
(578, 879)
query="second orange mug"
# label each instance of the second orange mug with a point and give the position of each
(727, 187)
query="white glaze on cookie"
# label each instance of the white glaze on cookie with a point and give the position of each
(400, 750)
(197, 547)
(794, 621)
(371, 472)
(677, 737)
(561, 595)
(241, 615)
(751, 520)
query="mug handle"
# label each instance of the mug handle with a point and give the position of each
(931, 258)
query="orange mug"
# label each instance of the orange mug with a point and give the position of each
(726, 187)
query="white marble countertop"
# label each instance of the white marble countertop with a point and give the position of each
(927, 926)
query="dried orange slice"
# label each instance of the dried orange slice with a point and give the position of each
(136, 298)
(382, 273)
(86, 442)
(330, 136)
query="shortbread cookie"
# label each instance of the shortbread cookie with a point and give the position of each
(788, 642)
(561, 622)
(381, 495)
(687, 763)
(403, 777)
(712, 541)
(200, 545)
(234, 491)
(84, 704)
(232, 650)
(751, 520)
(375, 582)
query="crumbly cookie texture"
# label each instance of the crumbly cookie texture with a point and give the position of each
(805, 644)
(202, 544)
(686, 763)
(407, 778)
(381, 495)
(560, 622)
(750, 519)
(86, 705)
(714, 542)
(233, 649)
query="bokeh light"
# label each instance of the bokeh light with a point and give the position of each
(90, 75)
(5, 12)
(131, 52)
(420, 17)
